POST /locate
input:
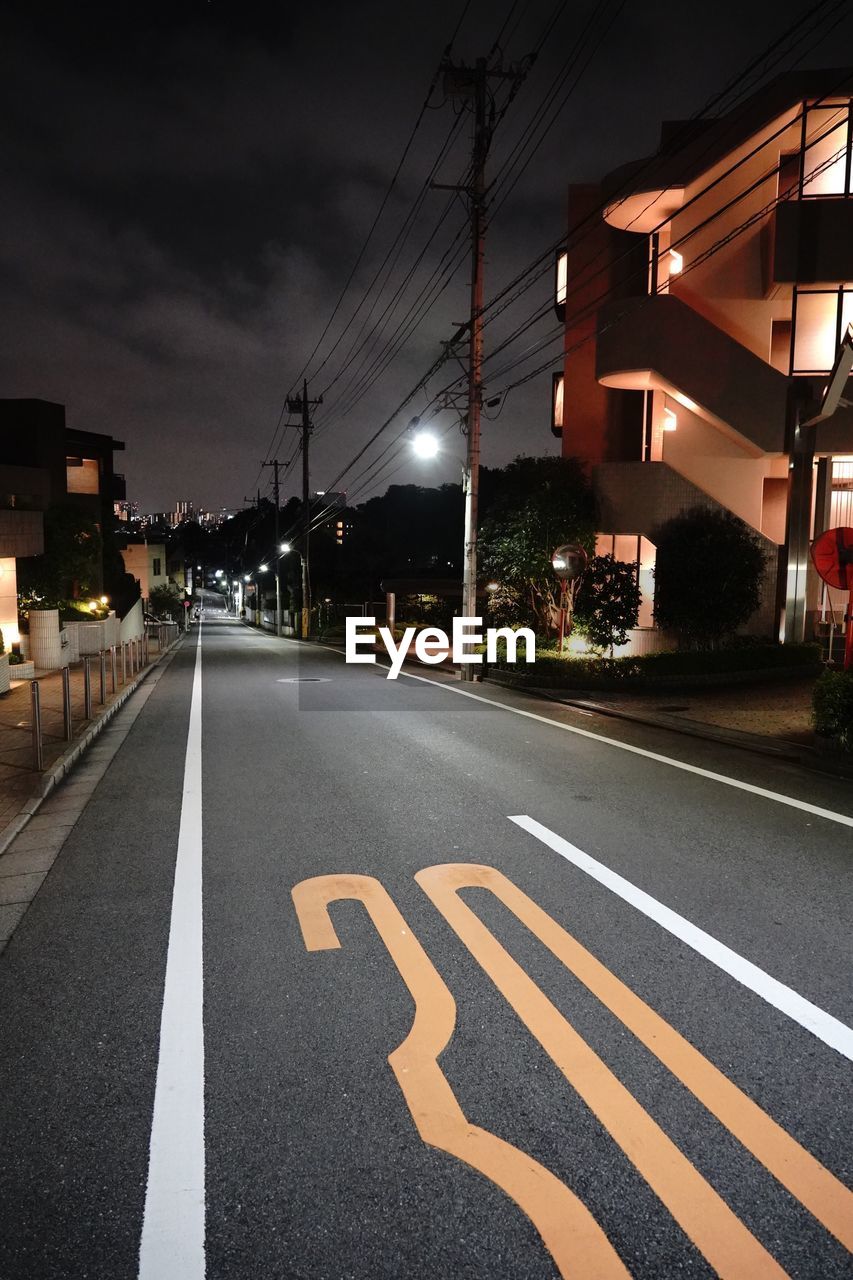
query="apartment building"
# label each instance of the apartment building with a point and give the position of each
(43, 464)
(705, 292)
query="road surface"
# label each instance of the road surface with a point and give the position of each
(337, 976)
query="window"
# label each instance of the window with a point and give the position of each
(561, 283)
(557, 405)
(826, 166)
(155, 567)
(82, 475)
(820, 320)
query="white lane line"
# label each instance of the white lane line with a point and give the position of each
(821, 1024)
(845, 820)
(172, 1241)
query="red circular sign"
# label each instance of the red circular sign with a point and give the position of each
(832, 554)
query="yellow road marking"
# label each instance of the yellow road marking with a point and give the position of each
(825, 1197)
(569, 1231)
(714, 1228)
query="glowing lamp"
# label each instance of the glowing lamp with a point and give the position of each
(263, 568)
(93, 604)
(284, 548)
(670, 420)
(425, 445)
(105, 599)
(676, 262)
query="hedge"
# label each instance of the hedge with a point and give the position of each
(833, 707)
(550, 669)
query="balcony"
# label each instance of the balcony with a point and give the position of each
(660, 342)
(813, 241)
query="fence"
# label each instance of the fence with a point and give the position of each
(114, 666)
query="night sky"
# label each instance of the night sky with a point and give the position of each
(186, 187)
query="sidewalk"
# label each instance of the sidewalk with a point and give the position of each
(773, 719)
(22, 786)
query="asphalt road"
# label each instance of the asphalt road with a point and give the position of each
(605, 1032)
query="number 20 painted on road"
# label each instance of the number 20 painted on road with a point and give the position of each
(568, 1229)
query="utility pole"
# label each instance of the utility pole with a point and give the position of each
(472, 85)
(303, 405)
(275, 466)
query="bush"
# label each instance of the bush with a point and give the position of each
(551, 669)
(707, 575)
(608, 602)
(832, 702)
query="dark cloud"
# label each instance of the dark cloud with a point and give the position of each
(186, 187)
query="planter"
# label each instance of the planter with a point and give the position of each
(22, 670)
(4, 673)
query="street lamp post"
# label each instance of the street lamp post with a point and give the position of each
(427, 446)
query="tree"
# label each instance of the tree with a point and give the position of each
(166, 601)
(707, 575)
(70, 566)
(607, 603)
(535, 504)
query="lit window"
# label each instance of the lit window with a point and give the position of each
(557, 405)
(670, 421)
(676, 262)
(561, 283)
(82, 475)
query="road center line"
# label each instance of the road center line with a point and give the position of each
(172, 1241)
(830, 1030)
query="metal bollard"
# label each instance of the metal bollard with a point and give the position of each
(113, 667)
(38, 753)
(87, 688)
(145, 648)
(124, 663)
(103, 674)
(67, 725)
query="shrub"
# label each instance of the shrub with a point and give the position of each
(832, 702)
(707, 575)
(608, 602)
(551, 669)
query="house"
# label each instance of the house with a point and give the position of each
(705, 291)
(146, 561)
(44, 464)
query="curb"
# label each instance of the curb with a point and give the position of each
(780, 748)
(63, 765)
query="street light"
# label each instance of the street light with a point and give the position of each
(284, 548)
(425, 445)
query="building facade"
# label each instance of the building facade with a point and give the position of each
(146, 562)
(705, 292)
(43, 464)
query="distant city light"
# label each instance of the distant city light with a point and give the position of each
(425, 444)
